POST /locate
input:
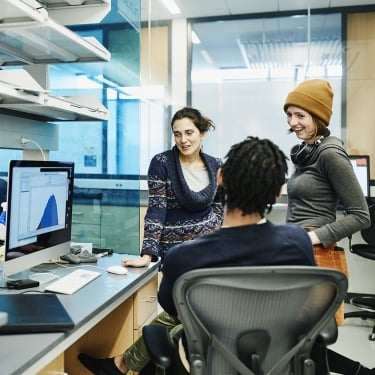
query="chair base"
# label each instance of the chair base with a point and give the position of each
(366, 304)
(351, 295)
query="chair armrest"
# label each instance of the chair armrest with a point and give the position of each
(328, 335)
(159, 346)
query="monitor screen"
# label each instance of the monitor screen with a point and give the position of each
(39, 213)
(361, 165)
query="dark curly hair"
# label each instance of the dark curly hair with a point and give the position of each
(253, 174)
(203, 123)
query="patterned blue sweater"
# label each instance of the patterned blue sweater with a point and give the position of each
(175, 213)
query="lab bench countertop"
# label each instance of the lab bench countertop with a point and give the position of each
(28, 353)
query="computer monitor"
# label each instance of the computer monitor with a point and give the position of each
(39, 213)
(361, 165)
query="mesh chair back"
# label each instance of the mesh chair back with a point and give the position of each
(267, 316)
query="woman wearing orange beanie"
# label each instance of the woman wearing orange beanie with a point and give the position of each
(323, 177)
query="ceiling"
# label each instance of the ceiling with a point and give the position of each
(246, 43)
(238, 43)
(212, 8)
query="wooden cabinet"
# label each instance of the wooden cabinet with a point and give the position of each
(54, 367)
(113, 334)
(145, 306)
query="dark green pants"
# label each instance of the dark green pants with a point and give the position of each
(136, 357)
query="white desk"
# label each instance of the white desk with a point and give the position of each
(107, 317)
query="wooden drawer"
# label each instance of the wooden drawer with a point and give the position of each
(145, 303)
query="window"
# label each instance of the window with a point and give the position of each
(243, 69)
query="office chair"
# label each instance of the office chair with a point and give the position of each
(249, 320)
(366, 303)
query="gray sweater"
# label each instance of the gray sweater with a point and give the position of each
(315, 190)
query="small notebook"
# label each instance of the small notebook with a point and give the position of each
(34, 313)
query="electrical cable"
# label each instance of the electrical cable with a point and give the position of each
(25, 140)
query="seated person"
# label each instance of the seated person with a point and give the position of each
(252, 177)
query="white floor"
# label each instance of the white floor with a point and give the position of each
(353, 339)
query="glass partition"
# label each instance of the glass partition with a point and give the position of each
(243, 69)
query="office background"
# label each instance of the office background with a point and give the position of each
(251, 53)
(249, 57)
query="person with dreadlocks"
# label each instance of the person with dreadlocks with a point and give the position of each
(251, 177)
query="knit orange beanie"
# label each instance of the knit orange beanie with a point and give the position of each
(314, 96)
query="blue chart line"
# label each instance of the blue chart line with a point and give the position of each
(50, 215)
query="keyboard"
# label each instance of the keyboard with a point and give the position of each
(72, 282)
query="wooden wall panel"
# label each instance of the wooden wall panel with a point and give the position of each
(155, 56)
(360, 89)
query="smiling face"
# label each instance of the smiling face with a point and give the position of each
(187, 137)
(302, 124)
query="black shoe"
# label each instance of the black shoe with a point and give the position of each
(98, 366)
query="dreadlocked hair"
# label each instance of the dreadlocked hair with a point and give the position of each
(253, 174)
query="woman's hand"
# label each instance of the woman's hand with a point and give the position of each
(143, 261)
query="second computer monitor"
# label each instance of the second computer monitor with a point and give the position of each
(361, 165)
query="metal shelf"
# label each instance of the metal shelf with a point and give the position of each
(33, 102)
(29, 36)
(58, 109)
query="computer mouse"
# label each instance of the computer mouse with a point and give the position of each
(118, 270)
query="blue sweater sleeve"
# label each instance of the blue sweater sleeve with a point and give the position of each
(157, 208)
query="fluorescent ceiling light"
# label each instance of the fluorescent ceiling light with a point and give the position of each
(171, 6)
(194, 38)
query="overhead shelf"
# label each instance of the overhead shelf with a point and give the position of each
(29, 36)
(28, 10)
(72, 108)
(36, 103)
(77, 12)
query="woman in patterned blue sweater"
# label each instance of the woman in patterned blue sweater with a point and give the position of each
(184, 201)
